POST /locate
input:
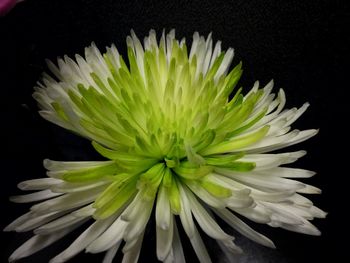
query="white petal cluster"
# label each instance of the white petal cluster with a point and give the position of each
(176, 144)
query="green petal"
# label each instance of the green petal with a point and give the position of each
(114, 198)
(150, 180)
(236, 144)
(249, 124)
(215, 189)
(218, 160)
(188, 171)
(124, 157)
(174, 197)
(91, 174)
(239, 166)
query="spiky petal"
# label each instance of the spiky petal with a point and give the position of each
(173, 140)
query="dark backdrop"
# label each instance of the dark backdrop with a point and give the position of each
(302, 45)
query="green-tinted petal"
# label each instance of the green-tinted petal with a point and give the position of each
(215, 189)
(195, 172)
(238, 143)
(117, 195)
(91, 174)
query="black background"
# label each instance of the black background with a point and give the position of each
(302, 45)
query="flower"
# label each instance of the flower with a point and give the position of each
(7, 5)
(174, 141)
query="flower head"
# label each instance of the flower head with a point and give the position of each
(174, 141)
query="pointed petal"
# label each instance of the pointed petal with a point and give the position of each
(243, 228)
(89, 235)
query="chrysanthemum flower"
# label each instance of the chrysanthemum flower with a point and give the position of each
(174, 142)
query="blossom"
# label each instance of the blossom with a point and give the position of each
(174, 141)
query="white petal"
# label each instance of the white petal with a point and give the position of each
(317, 212)
(283, 214)
(258, 213)
(19, 221)
(281, 97)
(33, 197)
(229, 248)
(129, 245)
(312, 211)
(114, 56)
(199, 247)
(267, 90)
(177, 247)
(37, 220)
(76, 76)
(280, 101)
(238, 189)
(169, 44)
(89, 235)
(262, 182)
(85, 68)
(240, 193)
(225, 64)
(132, 209)
(243, 228)
(39, 242)
(137, 224)
(97, 63)
(65, 166)
(63, 222)
(110, 254)
(139, 52)
(240, 197)
(300, 200)
(253, 89)
(170, 257)
(200, 55)
(185, 213)
(66, 187)
(271, 103)
(205, 196)
(68, 201)
(206, 222)
(272, 197)
(306, 228)
(112, 235)
(298, 113)
(38, 184)
(84, 212)
(51, 117)
(209, 44)
(164, 240)
(153, 39)
(304, 212)
(216, 53)
(309, 189)
(195, 41)
(65, 71)
(162, 41)
(289, 172)
(239, 201)
(163, 213)
(44, 102)
(132, 255)
(53, 69)
(289, 139)
(268, 161)
(270, 142)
